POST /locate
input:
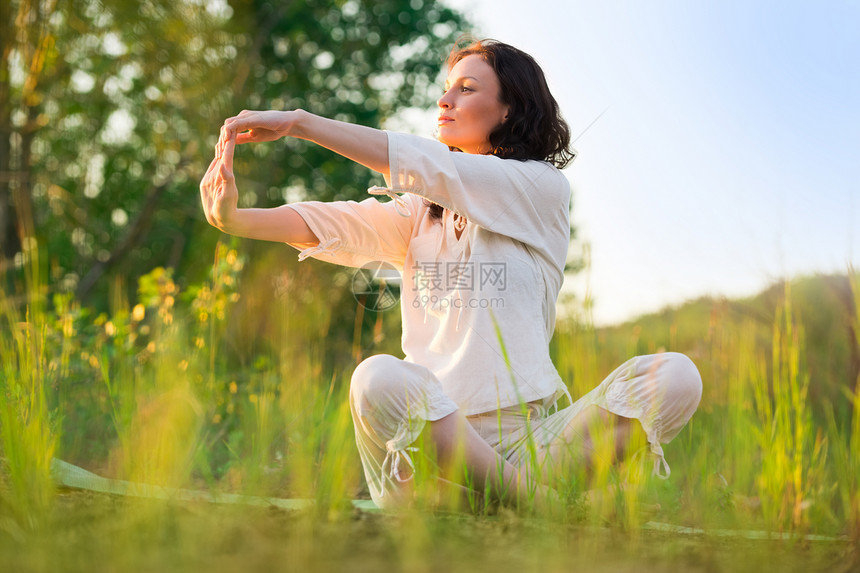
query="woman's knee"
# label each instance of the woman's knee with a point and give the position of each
(682, 376)
(683, 385)
(375, 376)
(393, 384)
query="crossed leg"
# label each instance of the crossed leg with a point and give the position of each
(592, 443)
(395, 404)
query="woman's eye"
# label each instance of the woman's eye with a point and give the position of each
(460, 89)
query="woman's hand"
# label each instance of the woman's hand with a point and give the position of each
(260, 126)
(364, 145)
(221, 204)
(218, 187)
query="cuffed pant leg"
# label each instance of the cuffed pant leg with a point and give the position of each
(391, 400)
(662, 391)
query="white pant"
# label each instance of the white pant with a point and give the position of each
(391, 400)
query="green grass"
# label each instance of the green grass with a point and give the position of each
(97, 533)
(187, 387)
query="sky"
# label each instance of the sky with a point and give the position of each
(719, 142)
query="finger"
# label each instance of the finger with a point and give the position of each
(242, 122)
(217, 179)
(221, 138)
(212, 166)
(226, 179)
(229, 148)
(206, 181)
(231, 124)
(244, 137)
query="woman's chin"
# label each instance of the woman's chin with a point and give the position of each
(442, 138)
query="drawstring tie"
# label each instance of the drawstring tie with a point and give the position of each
(566, 393)
(661, 467)
(654, 438)
(399, 202)
(396, 453)
(328, 247)
(391, 463)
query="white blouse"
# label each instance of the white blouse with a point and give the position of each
(478, 311)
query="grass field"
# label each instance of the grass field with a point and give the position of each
(165, 390)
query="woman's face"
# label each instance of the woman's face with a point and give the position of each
(470, 109)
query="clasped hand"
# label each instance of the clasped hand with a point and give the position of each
(260, 126)
(218, 191)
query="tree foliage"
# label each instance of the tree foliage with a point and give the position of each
(109, 111)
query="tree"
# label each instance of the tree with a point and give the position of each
(109, 111)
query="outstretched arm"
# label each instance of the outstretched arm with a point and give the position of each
(364, 145)
(220, 197)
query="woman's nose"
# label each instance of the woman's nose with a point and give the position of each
(443, 101)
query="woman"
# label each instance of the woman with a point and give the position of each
(480, 233)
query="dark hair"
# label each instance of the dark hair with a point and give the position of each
(535, 128)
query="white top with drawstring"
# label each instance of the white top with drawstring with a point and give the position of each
(478, 310)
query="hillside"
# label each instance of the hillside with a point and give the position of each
(821, 305)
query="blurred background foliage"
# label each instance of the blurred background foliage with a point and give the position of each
(109, 112)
